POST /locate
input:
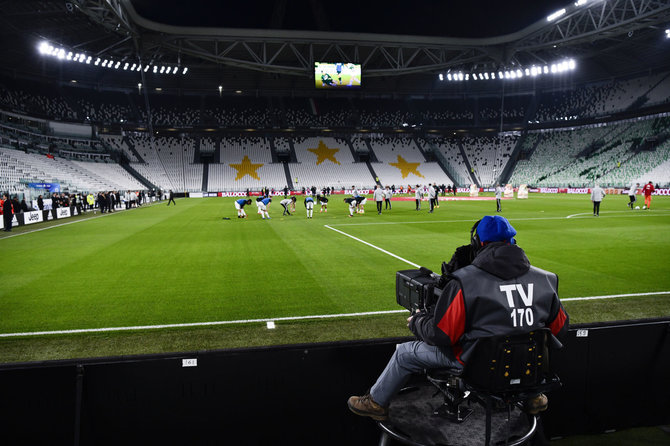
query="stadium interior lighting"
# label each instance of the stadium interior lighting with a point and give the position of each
(46, 49)
(556, 15)
(667, 33)
(516, 73)
(441, 76)
(581, 2)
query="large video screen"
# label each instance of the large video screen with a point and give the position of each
(337, 75)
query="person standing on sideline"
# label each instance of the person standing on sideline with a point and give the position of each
(378, 195)
(632, 195)
(387, 198)
(648, 189)
(170, 200)
(597, 194)
(7, 215)
(432, 196)
(499, 192)
(239, 205)
(309, 206)
(417, 197)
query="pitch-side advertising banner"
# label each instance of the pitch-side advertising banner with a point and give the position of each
(62, 212)
(32, 217)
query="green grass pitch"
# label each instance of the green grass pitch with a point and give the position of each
(161, 265)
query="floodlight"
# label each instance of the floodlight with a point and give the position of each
(162, 70)
(467, 76)
(104, 63)
(146, 68)
(155, 69)
(97, 62)
(493, 75)
(527, 70)
(125, 66)
(69, 56)
(175, 70)
(117, 65)
(220, 88)
(556, 15)
(441, 76)
(512, 74)
(553, 68)
(185, 70)
(61, 54)
(667, 33)
(486, 76)
(500, 75)
(449, 76)
(572, 64)
(88, 59)
(519, 73)
(546, 69)
(581, 2)
(460, 76)
(44, 47)
(132, 68)
(139, 67)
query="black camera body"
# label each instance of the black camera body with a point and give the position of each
(416, 289)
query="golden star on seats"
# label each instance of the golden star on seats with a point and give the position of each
(324, 153)
(407, 168)
(246, 167)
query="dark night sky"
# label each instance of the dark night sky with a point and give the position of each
(447, 18)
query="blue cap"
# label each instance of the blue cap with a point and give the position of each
(495, 229)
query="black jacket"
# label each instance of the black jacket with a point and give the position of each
(500, 293)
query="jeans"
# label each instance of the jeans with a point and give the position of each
(408, 358)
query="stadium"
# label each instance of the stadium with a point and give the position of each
(152, 296)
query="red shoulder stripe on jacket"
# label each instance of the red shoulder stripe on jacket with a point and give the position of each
(558, 322)
(453, 321)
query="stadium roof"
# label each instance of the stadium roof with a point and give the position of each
(264, 46)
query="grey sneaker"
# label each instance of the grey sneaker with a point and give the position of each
(367, 407)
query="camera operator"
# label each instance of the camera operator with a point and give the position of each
(489, 289)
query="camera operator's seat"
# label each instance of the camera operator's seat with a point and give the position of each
(503, 371)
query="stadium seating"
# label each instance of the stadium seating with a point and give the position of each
(401, 162)
(245, 163)
(18, 168)
(326, 162)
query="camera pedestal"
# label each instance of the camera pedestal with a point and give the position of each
(413, 421)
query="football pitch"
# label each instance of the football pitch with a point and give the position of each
(181, 278)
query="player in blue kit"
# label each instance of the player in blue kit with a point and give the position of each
(309, 206)
(263, 207)
(239, 205)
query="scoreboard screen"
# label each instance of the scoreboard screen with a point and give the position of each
(337, 75)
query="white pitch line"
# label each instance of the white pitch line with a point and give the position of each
(93, 217)
(274, 319)
(612, 296)
(657, 214)
(375, 247)
(198, 324)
